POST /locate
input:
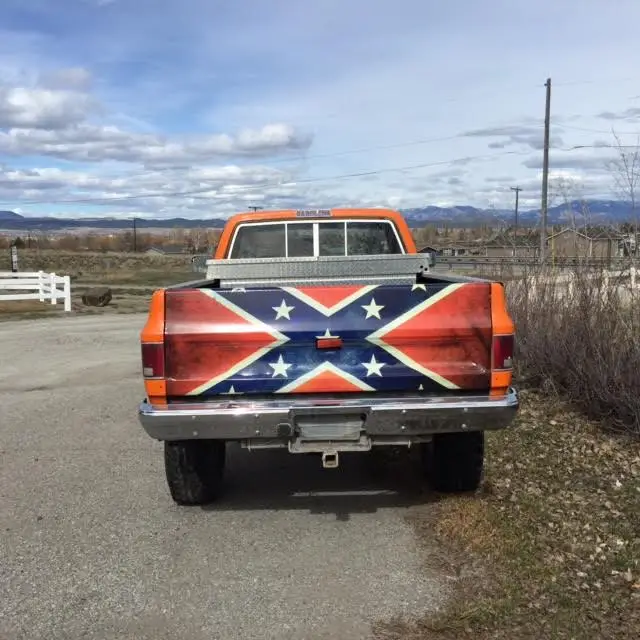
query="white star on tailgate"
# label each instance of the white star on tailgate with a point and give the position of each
(373, 367)
(283, 311)
(231, 391)
(372, 309)
(419, 286)
(279, 368)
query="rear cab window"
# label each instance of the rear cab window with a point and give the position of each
(294, 239)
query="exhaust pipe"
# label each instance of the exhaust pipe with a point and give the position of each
(330, 460)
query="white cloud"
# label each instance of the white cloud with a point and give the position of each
(513, 135)
(85, 142)
(590, 162)
(37, 108)
(195, 191)
(630, 115)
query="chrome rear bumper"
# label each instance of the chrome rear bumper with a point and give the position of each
(341, 418)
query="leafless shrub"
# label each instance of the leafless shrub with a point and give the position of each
(577, 333)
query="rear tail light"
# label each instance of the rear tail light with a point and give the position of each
(502, 353)
(328, 343)
(153, 360)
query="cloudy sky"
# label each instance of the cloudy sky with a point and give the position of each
(201, 108)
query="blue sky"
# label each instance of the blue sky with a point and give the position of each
(201, 108)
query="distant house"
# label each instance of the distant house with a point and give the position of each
(166, 250)
(509, 251)
(458, 250)
(571, 243)
(506, 244)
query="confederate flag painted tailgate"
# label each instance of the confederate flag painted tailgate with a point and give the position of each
(339, 339)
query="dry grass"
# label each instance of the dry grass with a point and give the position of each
(106, 268)
(550, 548)
(581, 342)
(467, 519)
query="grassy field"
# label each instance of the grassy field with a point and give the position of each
(84, 266)
(132, 277)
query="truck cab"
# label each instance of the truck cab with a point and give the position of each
(318, 232)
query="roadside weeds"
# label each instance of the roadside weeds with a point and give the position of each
(550, 546)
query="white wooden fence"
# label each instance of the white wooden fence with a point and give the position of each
(35, 285)
(625, 282)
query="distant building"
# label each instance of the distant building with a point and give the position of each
(505, 244)
(571, 243)
(459, 249)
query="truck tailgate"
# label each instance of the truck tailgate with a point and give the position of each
(328, 339)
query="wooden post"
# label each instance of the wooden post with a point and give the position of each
(13, 250)
(53, 291)
(41, 285)
(67, 293)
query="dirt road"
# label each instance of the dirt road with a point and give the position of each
(93, 547)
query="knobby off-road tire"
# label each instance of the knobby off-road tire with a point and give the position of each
(453, 462)
(195, 470)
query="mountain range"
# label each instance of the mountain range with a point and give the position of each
(599, 212)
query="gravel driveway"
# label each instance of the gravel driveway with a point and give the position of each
(93, 547)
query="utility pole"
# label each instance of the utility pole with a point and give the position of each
(515, 233)
(545, 174)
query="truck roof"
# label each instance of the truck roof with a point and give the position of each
(310, 214)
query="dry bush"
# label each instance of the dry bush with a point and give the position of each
(577, 334)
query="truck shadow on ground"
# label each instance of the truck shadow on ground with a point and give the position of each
(363, 483)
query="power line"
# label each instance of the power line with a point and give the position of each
(590, 130)
(597, 146)
(573, 83)
(245, 188)
(334, 154)
(248, 188)
(483, 94)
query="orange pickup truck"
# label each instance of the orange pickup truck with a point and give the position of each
(325, 331)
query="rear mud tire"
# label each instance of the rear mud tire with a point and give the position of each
(194, 470)
(454, 462)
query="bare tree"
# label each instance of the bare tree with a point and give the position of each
(567, 191)
(626, 174)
